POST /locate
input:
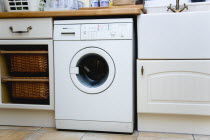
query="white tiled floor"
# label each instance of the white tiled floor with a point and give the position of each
(38, 133)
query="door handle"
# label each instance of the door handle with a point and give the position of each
(28, 29)
(70, 33)
(74, 70)
(142, 70)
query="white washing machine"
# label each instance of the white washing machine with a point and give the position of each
(94, 74)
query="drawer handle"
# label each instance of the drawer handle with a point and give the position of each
(28, 29)
(71, 33)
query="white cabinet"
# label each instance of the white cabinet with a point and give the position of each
(173, 36)
(173, 86)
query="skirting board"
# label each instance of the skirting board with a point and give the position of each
(95, 126)
(39, 118)
(174, 123)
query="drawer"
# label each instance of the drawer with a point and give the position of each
(67, 32)
(26, 28)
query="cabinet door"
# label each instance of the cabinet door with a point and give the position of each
(174, 86)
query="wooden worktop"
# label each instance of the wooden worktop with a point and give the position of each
(105, 11)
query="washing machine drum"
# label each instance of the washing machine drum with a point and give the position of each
(92, 70)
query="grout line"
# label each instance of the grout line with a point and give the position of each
(193, 137)
(83, 136)
(166, 133)
(138, 135)
(21, 129)
(27, 138)
(165, 136)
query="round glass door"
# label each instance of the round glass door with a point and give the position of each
(92, 70)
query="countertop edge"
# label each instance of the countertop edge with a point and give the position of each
(117, 10)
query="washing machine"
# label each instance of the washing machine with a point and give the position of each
(94, 74)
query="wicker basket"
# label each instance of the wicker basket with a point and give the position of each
(30, 63)
(30, 88)
(123, 2)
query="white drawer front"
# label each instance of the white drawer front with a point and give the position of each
(67, 32)
(26, 28)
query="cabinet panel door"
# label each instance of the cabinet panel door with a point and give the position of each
(174, 86)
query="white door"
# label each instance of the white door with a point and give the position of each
(173, 86)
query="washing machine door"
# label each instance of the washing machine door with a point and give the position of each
(92, 70)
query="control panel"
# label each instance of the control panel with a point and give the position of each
(106, 31)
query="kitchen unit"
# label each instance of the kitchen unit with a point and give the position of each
(172, 68)
(24, 44)
(173, 73)
(41, 35)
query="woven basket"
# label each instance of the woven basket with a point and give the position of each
(30, 63)
(123, 2)
(30, 89)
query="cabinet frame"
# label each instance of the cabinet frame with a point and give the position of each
(49, 44)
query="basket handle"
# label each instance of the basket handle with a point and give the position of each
(28, 29)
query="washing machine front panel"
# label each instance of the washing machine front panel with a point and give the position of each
(92, 70)
(115, 102)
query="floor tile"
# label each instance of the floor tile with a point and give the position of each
(56, 135)
(199, 137)
(166, 135)
(14, 134)
(108, 136)
(19, 127)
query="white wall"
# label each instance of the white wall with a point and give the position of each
(165, 2)
(2, 8)
(160, 6)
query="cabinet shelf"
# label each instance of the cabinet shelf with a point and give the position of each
(23, 52)
(25, 79)
(26, 106)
